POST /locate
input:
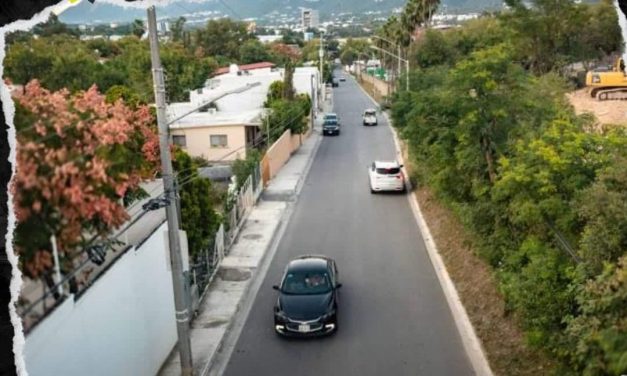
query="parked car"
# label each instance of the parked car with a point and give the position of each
(335, 82)
(386, 176)
(331, 124)
(370, 117)
(342, 79)
(308, 297)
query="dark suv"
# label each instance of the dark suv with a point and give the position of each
(307, 303)
(331, 124)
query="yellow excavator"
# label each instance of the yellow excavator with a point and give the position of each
(609, 84)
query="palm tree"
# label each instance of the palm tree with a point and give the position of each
(417, 13)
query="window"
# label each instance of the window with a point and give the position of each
(179, 140)
(218, 141)
(388, 171)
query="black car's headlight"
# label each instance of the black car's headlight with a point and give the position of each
(327, 316)
(280, 315)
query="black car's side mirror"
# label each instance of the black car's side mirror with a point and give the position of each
(338, 285)
(275, 287)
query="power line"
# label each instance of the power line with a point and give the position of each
(237, 15)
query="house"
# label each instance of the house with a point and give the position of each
(232, 124)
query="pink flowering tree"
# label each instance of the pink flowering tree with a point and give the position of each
(78, 156)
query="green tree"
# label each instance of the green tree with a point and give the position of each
(54, 27)
(603, 208)
(198, 199)
(176, 29)
(222, 38)
(253, 51)
(25, 61)
(126, 94)
(600, 331)
(243, 168)
(137, 28)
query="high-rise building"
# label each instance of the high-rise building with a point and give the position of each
(309, 18)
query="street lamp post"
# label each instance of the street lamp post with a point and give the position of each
(400, 58)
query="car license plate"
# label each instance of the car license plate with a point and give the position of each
(303, 328)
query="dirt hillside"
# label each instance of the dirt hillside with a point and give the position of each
(607, 112)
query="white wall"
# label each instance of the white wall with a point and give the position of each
(122, 325)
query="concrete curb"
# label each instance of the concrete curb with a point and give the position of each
(472, 344)
(244, 304)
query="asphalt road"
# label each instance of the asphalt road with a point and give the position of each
(393, 316)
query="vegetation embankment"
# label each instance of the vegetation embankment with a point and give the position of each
(541, 196)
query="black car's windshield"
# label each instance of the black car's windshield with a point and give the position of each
(330, 122)
(305, 283)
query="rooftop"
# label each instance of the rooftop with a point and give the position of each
(243, 107)
(245, 67)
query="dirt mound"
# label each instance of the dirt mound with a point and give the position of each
(607, 112)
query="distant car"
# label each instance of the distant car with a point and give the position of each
(386, 176)
(335, 82)
(331, 124)
(308, 297)
(370, 117)
(342, 79)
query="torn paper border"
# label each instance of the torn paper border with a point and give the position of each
(9, 111)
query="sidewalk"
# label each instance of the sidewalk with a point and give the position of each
(224, 297)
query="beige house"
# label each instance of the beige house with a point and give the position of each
(218, 137)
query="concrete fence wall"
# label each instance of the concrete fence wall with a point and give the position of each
(277, 155)
(296, 140)
(122, 325)
(379, 85)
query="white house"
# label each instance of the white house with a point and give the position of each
(232, 124)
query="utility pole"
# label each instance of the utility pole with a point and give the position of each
(407, 77)
(313, 102)
(321, 56)
(399, 67)
(178, 280)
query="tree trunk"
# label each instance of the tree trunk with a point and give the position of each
(489, 158)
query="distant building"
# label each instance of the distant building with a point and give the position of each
(251, 27)
(269, 38)
(309, 18)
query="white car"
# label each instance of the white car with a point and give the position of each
(370, 117)
(386, 176)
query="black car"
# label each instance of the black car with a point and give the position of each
(307, 303)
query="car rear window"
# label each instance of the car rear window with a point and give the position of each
(388, 171)
(370, 113)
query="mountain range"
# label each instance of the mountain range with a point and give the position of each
(102, 12)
